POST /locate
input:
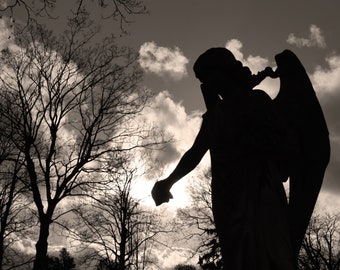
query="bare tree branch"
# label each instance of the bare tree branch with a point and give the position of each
(120, 10)
(72, 105)
(321, 246)
(116, 226)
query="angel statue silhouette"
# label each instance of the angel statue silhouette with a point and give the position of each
(256, 143)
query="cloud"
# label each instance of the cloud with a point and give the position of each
(256, 64)
(172, 257)
(163, 60)
(327, 80)
(5, 34)
(315, 38)
(171, 117)
(25, 245)
(328, 202)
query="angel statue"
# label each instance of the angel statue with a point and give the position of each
(256, 143)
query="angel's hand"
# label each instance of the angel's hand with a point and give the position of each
(271, 73)
(161, 192)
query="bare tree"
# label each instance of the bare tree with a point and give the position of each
(321, 245)
(14, 211)
(198, 216)
(118, 227)
(185, 267)
(13, 208)
(63, 262)
(320, 248)
(73, 108)
(120, 10)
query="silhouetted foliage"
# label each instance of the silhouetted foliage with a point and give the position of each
(321, 245)
(107, 264)
(15, 216)
(64, 262)
(184, 267)
(210, 258)
(199, 217)
(116, 224)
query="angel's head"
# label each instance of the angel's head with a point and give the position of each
(219, 67)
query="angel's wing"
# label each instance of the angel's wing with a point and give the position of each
(297, 105)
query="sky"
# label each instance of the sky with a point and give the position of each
(174, 33)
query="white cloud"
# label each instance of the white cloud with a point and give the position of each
(255, 63)
(327, 80)
(25, 245)
(326, 83)
(5, 34)
(315, 38)
(171, 117)
(163, 60)
(235, 46)
(328, 202)
(172, 257)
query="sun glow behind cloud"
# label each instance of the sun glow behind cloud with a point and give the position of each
(183, 126)
(172, 117)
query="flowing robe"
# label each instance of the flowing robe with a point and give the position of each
(248, 198)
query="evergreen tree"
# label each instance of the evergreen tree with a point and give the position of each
(185, 267)
(64, 262)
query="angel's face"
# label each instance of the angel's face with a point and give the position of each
(238, 77)
(246, 74)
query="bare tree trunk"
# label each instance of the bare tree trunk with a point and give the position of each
(122, 248)
(7, 200)
(1, 252)
(3, 231)
(41, 246)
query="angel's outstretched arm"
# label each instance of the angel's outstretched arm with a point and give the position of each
(187, 163)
